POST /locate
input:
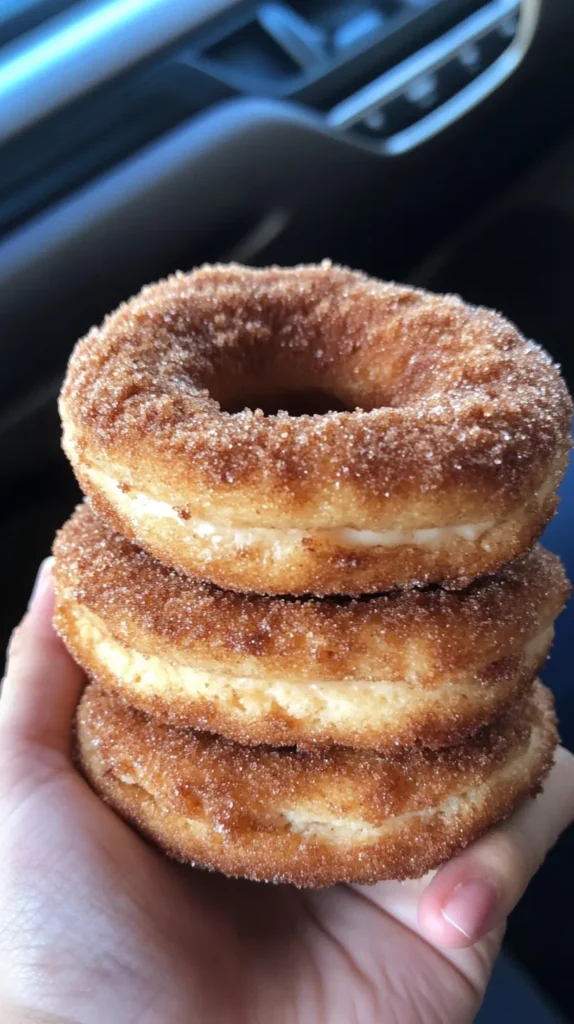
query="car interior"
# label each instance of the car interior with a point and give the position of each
(423, 141)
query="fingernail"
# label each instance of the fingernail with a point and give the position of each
(42, 577)
(471, 908)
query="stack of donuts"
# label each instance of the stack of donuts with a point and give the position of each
(306, 587)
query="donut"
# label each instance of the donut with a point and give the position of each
(312, 430)
(311, 818)
(414, 667)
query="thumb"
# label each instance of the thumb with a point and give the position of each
(476, 891)
(42, 685)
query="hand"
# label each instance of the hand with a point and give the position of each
(97, 926)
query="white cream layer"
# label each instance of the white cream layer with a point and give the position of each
(137, 506)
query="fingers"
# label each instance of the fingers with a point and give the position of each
(42, 684)
(476, 891)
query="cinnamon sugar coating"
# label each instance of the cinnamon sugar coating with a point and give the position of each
(310, 818)
(449, 417)
(415, 667)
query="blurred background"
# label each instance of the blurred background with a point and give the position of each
(429, 141)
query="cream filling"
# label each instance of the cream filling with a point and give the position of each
(345, 536)
(138, 506)
(354, 703)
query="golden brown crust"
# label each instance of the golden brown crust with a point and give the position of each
(302, 672)
(448, 721)
(310, 818)
(311, 638)
(463, 421)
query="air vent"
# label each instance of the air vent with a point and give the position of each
(434, 86)
(319, 52)
(365, 38)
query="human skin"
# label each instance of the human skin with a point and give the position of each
(96, 925)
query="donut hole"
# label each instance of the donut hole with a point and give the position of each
(306, 343)
(302, 389)
(297, 402)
